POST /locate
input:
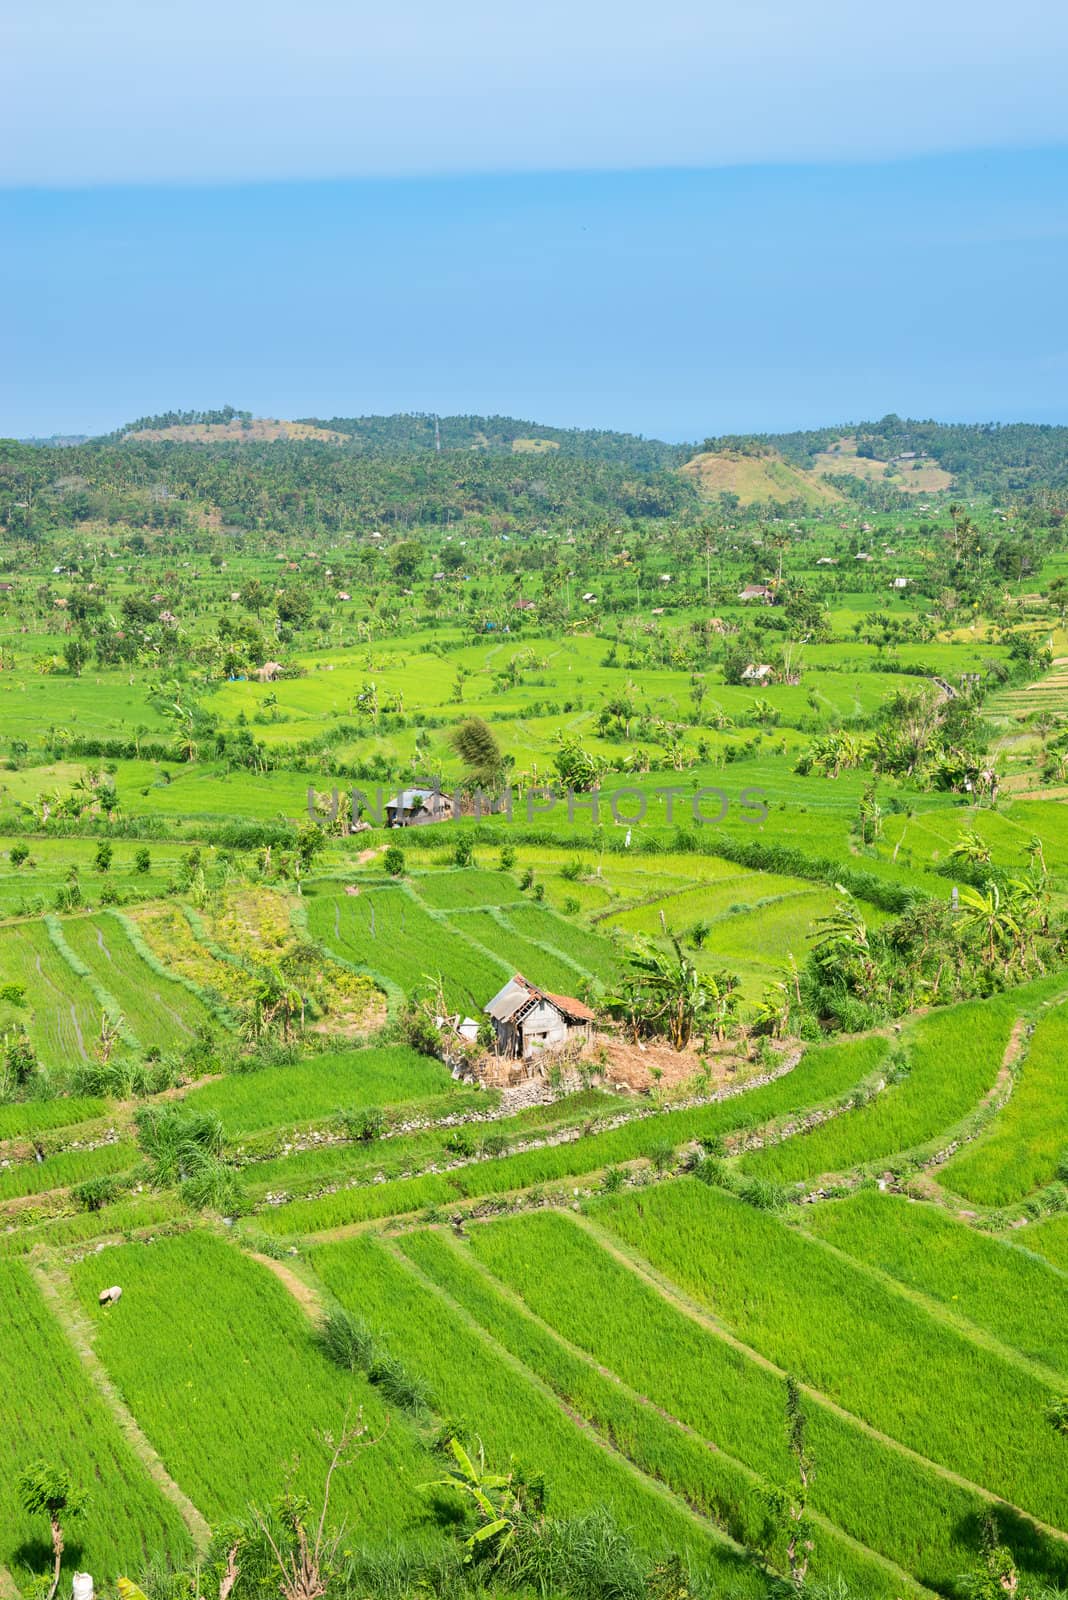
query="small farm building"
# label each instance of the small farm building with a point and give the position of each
(758, 673)
(413, 808)
(528, 1020)
(758, 591)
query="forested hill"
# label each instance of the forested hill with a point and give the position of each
(999, 459)
(405, 434)
(421, 432)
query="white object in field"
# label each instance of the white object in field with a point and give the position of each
(108, 1297)
(82, 1586)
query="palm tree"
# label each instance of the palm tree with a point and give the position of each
(970, 848)
(666, 994)
(984, 913)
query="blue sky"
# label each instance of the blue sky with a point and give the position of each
(679, 219)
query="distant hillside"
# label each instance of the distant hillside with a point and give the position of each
(253, 430)
(1003, 460)
(910, 471)
(751, 475)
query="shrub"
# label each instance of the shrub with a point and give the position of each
(662, 1156)
(346, 1341)
(95, 1193)
(365, 1126)
(393, 861)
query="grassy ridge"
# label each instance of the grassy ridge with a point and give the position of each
(1006, 1290)
(49, 1410)
(962, 1406)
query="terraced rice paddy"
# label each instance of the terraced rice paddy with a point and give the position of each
(926, 1101)
(49, 1409)
(219, 1366)
(1028, 1141)
(769, 1286)
(387, 933)
(473, 1376)
(159, 1012)
(887, 1501)
(322, 1086)
(993, 1284)
(62, 1015)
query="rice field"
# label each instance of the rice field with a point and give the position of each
(49, 1410)
(887, 1501)
(159, 1012)
(964, 1407)
(492, 932)
(587, 949)
(23, 1118)
(120, 1219)
(1049, 1239)
(465, 886)
(721, 1484)
(1028, 1140)
(514, 1415)
(387, 933)
(323, 1085)
(609, 1288)
(221, 1369)
(953, 1058)
(997, 1285)
(823, 1074)
(62, 1015)
(65, 1169)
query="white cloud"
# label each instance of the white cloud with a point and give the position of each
(135, 91)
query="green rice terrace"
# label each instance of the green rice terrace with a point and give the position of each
(532, 1040)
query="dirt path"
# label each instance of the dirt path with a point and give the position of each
(681, 1301)
(305, 1294)
(56, 1288)
(9, 1589)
